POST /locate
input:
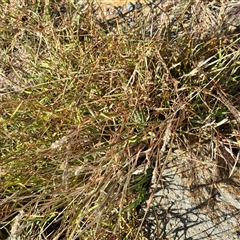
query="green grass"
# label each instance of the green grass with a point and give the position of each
(82, 110)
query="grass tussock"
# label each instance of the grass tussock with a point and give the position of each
(88, 117)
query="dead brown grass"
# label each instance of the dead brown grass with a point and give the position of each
(88, 117)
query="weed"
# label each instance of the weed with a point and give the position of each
(82, 110)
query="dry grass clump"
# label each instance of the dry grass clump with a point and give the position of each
(88, 117)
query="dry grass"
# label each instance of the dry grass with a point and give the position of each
(83, 111)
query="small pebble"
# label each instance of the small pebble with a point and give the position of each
(138, 5)
(130, 7)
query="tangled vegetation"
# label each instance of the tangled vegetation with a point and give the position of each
(83, 110)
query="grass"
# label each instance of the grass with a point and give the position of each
(88, 117)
